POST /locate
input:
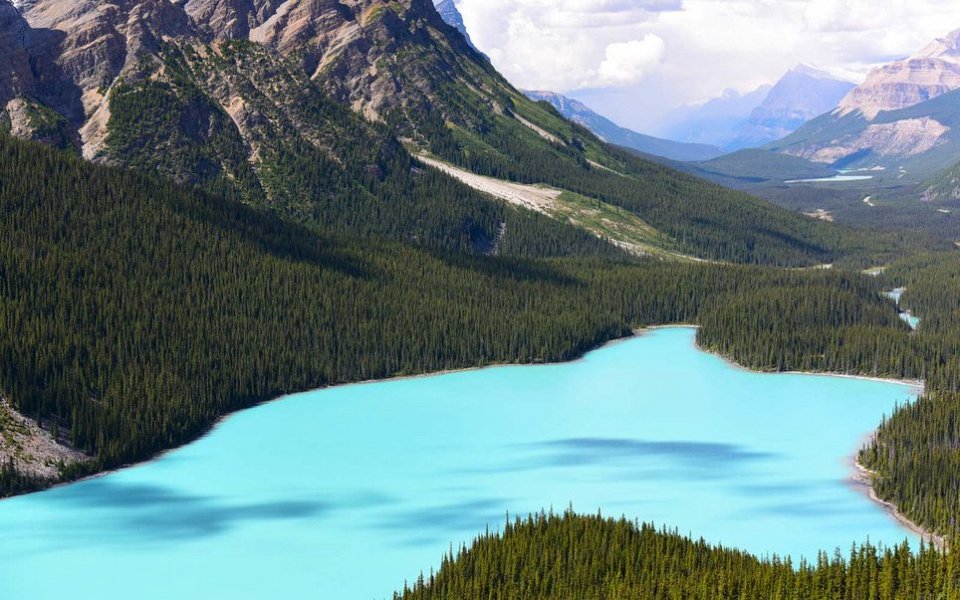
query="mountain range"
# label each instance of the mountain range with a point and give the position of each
(714, 122)
(610, 132)
(726, 124)
(735, 122)
(903, 118)
(800, 95)
(732, 122)
(328, 113)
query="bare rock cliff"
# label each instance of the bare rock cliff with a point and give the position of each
(930, 73)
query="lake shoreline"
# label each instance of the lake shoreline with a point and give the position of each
(856, 478)
(862, 480)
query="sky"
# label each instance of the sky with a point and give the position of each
(636, 60)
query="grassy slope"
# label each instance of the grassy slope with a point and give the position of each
(763, 165)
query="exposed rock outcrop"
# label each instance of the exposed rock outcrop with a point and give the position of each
(33, 450)
(231, 19)
(930, 73)
(79, 50)
(16, 77)
(69, 55)
(903, 117)
(908, 137)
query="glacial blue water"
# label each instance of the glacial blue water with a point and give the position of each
(346, 493)
(906, 316)
(834, 179)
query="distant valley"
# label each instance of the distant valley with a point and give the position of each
(735, 122)
(612, 133)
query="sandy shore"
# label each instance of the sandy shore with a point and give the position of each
(918, 385)
(863, 481)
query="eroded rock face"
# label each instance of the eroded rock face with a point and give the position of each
(80, 49)
(373, 55)
(905, 138)
(230, 19)
(930, 73)
(16, 78)
(89, 42)
(352, 48)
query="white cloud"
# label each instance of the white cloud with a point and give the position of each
(636, 59)
(626, 62)
(567, 44)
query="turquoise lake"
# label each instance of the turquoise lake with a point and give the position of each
(346, 493)
(907, 317)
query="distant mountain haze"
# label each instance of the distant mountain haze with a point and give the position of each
(726, 124)
(716, 121)
(610, 132)
(800, 95)
(905, 116)
(736, 121)
(932, 72)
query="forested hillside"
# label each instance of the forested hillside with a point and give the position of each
(705, 219)
(318, 163)
(307, 111)
(549, 556)
(914, 454)
(135, 312)
(913, 460)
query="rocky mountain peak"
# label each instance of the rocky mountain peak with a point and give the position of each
(805, 70)
(374, 55)
(451, 15)
(930, 73)
(946, 48)
(804, 92)
(801, 94)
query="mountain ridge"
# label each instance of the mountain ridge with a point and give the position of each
(612, 133)
(736, 121)
(931, 72)
(451, 15)
(902, 118)
(319, 117)
(803, 93)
